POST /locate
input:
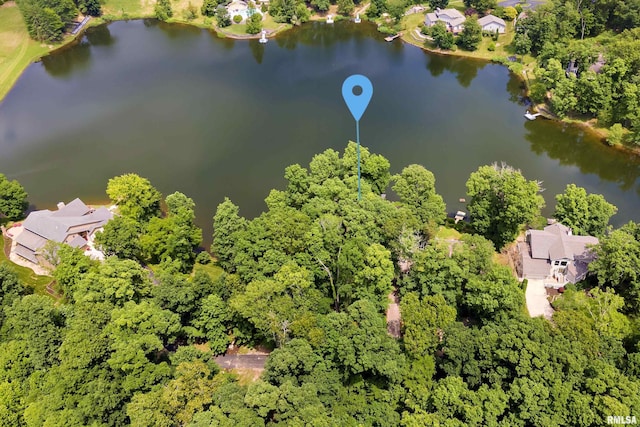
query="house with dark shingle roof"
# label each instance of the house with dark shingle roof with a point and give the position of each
(73, 224)
(554, 253)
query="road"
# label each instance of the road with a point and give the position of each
(242, 361)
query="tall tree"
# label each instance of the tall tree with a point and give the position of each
(471, 35)
(135, 196)
(584, 214)
(502, 200)
(13, 198)
(416, 187)
(226, 222)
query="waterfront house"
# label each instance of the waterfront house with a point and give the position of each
(73, 224)
(555, 255)
(453, 19)
(491, 24)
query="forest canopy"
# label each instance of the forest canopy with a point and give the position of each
(132, 340)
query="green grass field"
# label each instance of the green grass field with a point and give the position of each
(26, 275)
(17, 50)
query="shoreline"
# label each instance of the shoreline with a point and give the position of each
(407, 37)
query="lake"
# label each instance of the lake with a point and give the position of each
(215, 117)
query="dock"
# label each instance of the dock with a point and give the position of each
(392, 38)
(530, 116)
(80, 26)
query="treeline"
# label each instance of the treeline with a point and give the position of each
(47, 19)
(588, 60)
(132, 340)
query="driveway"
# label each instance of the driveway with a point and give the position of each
(537, 302)
(242, 361)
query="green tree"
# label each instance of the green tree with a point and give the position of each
(522, 43)
(494, 294)
(13, 198)
(502, 200)
(120, 237)
(222, 16)
(226, 222)
(585, 214)
(616, 134)
(135, 196)
(442, 38)
(415, 186)
(212, 323)
(209, 8)
(254, 23)
(438, 4)
(72, 265)
(510, 13)
(163, 9)
(471, 35)
(345, 7)
(616, 263)
(321, 5)
(89, 7)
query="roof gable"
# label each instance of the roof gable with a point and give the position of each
(557, 242)
(489, 19)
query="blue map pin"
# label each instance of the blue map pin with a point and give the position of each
(357, 103)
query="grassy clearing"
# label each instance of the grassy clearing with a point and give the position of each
(447, 233)
(213, 270)
(26, 275)
(17, 50)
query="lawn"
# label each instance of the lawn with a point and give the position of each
(17, 50)
(213, 270)
(26, 275)
(445, 233)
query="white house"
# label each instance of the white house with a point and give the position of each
(491, 24)
(453, 19)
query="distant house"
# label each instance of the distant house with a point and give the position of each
(491, 24)
(556, 255)
(453, 19)
(73, 224)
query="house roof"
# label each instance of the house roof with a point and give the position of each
(450, 16)
(486, 20)
(44, 225)
(557, 242)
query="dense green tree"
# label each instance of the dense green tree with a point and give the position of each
(115, 281)
(13, 198)
(442, 38)
(584, 214)
(10, 286)
(209, 8)
(35, 320)
(416, 188)
(222, 16)
(120, 237)
(163, 9)
(212, 323)
(345, 7)
(502, 200)
(471, 35)
(254, 23)
(282, 10)
(321, 5)
(438, 4)
(494, 294)
(71, 267)
(282, 306)
(135, 196)
(616, 263)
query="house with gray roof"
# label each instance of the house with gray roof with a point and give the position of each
(452, 18)
(491, 24)
(73, 224)
(556, 255)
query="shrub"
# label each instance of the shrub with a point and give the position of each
(616, 134)
(237, 19)
(254, 24)
(190, 13)
(222, 17)
(203, 258)
(209, 7)
(163, 10)
(491, 47)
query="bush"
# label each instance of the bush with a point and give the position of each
(425, 30)
(203, 258)
(616, 135)
(491, 47)
(237, 19)
(190, 13)
(222, 17)
(254, 24)
(209, 7)
(163, 10)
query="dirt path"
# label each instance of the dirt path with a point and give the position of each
(394, 319)
(242, 361)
